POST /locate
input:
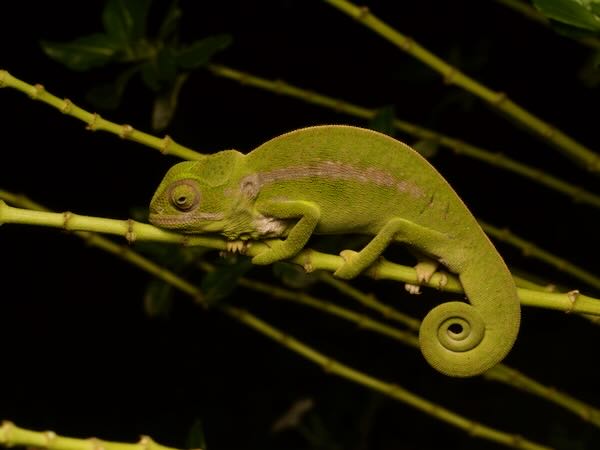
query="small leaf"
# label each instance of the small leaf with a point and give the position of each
(427, 148)
(383, 121)
(170, 22)
(200, 52)
(571, 12)
(221, 282)
(165, 104)
(158, 299)
(125, 20)
(83, 53)
(108, 95)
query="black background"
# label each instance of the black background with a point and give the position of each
(80, 357)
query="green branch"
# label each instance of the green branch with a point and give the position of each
(94, 122)
(167, 146)
(534, 251)
(330, 365)
(499, 373)
(577, 193)
(499, 100)
(11, 435)
(309, 259)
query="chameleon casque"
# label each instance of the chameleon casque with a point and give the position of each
(338, 179)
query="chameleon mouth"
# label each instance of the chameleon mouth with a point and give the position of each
(190, 221)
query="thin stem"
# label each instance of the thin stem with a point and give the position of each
(452, 75)
(309, 259)
(534, 251)
(394, 391)
(11, 435)
(577, 193)
(94, 122)
(584, 410)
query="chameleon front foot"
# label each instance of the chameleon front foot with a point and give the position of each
(276, 252)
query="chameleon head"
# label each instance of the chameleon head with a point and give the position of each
(188, 202)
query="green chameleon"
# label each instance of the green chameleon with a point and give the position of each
(340, 179)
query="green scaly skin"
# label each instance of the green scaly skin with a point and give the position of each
(338, 179)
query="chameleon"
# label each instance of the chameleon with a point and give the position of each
(339, 179)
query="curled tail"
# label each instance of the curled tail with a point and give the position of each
(463, 340)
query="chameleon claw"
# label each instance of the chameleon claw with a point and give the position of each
(413, 289)
(238, 246)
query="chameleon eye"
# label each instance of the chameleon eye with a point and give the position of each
(184, 195)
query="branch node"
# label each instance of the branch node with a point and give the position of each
(572, 296)
(3, 74)
(328, 365)
(146, 442)
(49, 436)
(517, 441)
(363, 12)
(37, 90)
(66, 107)
(7, 426)
(93, 124)
(450, 76)
(67, 216)
(126, 131)
(166, 143)
(279, 86)
(548, 132)
(500, 98)
(96, 443)
(407, 44)
(130, 235)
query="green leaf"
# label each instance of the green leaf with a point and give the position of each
(578, 13)
(165, 104)
(158, 299)
(427, 148)
(108, 95)
(170, 22)
(125, 20)
(200, 52)
(221, 282)
(83, 53)
(383, 121)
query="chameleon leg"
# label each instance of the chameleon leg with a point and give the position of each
(308, 213)
(396, 229)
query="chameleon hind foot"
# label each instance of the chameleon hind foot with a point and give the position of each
(425, 269)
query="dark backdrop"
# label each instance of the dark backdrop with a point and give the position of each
(80, 356)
